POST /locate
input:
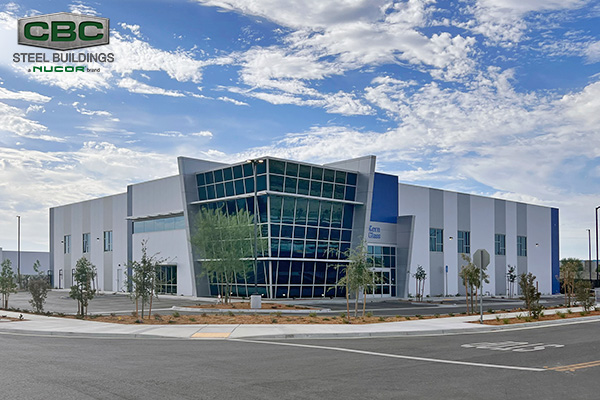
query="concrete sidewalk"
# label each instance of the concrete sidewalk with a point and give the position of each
(55, 326)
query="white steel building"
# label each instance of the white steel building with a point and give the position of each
(310, 214)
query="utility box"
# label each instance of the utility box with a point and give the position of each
(255, 302)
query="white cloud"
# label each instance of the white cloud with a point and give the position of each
(504, 22)
(592, 52)
(23, 95)
(177, 134)
(207, 134)
(79, 7)
(85, 111)
(13, 120)
(304, 13)
(135, 29)
(230, 100)
(138, 87)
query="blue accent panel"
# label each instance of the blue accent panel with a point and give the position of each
(555, 248)
(385, 198)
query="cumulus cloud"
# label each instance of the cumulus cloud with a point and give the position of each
(324, 44)
(14, 120)
(139, 87)
(504, 22)
(23, 95)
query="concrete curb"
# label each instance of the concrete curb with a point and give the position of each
(277, 331)
(438, 332)
(248, 311)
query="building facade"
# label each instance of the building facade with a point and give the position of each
(310, 216)
(26, 259)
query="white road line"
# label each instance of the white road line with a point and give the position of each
(371, 353)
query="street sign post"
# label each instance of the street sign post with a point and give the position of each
(481, 259)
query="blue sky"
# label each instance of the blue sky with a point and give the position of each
(493, 97)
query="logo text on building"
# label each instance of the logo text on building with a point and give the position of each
(63, 31)
(374, 232)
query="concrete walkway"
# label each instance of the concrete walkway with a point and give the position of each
(55, 326)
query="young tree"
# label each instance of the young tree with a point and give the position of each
(530, 295)
(226, 245)
(144, 280)
(583, 295)
(359, 276)
(38, 286)
(511, 277)
(420, 276)
(570, 270)
(471, 276)
(7, 282)
(82, 291)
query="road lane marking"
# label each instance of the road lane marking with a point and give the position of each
(574, 367)
(522, 347)
(371, 353)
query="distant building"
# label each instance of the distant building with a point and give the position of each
(310, 214)
(28, 258)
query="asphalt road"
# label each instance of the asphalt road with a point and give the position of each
(59, 301)
(501, 365)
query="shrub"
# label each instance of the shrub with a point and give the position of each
(192, 319)
(158, 317)
(407, 318)
(273, 320)
(561, 314)
(230, 313)
(436, 315)
(369, 314)
(382, 319)
(583, 295)
(506, 321)
(176, 314)
(451, 314)
(312, 314)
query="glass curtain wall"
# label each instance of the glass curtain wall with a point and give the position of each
(305, 212)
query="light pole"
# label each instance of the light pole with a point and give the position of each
(590, 253)
(597, 243)
(19, 250)
(255, 299)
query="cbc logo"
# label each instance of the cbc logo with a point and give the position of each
(63, 31)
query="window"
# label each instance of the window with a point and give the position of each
(464, 242)
(108, 240)
(436, 239)
(500, 244)
(151, 225)
(67, 244)
(86, 243)
(167, 279)
(522, 246)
